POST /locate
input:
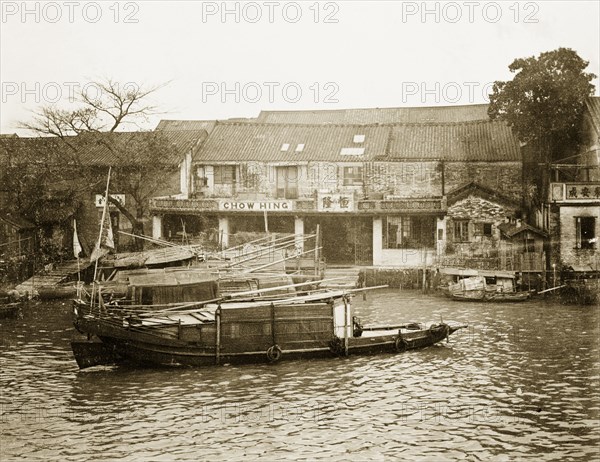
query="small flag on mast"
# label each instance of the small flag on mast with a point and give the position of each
(106, 240)
(76, 244)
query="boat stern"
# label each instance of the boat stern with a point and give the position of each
(453, 326)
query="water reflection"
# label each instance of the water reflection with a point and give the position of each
(520, 383)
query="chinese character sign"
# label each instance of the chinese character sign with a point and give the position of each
(118, 197)
(576, 192)
(335, 202)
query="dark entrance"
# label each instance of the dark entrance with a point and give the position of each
(345, 239)
(186, 229)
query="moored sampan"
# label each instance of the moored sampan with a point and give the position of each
(201, 334)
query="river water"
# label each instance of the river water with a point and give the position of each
(522, 383)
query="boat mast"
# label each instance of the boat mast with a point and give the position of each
(97, 249)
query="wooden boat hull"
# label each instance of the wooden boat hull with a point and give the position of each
(57, 292)
(8, 310)
(476, 289)
(492, 297)
(146, 346)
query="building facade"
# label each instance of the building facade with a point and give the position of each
(573, 218)
(377, 192)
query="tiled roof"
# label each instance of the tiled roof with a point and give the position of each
(391, 115)
(512, 229)
(131, 148)
(251, 141)
(461, 142)
(177, 125)
(458, 142)
(104, 149)
(593, 107)
(478, 190)
(15, 150)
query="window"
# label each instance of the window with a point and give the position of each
(224, 174)
(529, 245)
(409, 232)
(585, 232)
(461, 231)
(300, 148)
(287, 182)
(359, 138)
(285, 146)
(487, 229)
(352, 176)
(352, 151)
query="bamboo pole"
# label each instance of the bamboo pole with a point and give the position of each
(279, 261)
(101, 229)
(218, 336)
(151, 239)
(288, 286)
(330, 294)
(261, 250)
(265, 238)
(551, 289)
(289, 239)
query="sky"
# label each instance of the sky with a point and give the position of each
(220, 60)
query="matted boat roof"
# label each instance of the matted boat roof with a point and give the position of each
(174, 278)
(150, 257)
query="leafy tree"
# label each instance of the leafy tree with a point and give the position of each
(544, 102)
(75, 147)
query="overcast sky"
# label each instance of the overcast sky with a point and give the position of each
(233, 59)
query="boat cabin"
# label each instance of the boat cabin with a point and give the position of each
(502, 281)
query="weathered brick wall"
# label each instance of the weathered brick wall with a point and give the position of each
(424, 179)
(260, 178)
(404, 179)
(554, 235)
(569, 254)
(503, 177)
(478, 211)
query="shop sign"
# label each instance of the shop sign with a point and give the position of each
(119, 197)
(256, 206)
(335, 202)
(575, 192)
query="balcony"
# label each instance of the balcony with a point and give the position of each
(170, 204)
(404, 205)
(335, 204)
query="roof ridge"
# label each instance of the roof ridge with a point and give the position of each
(453, 106)
(311, 125)
(367, 125)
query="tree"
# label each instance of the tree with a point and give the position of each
(87, 137)
(544, 102)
